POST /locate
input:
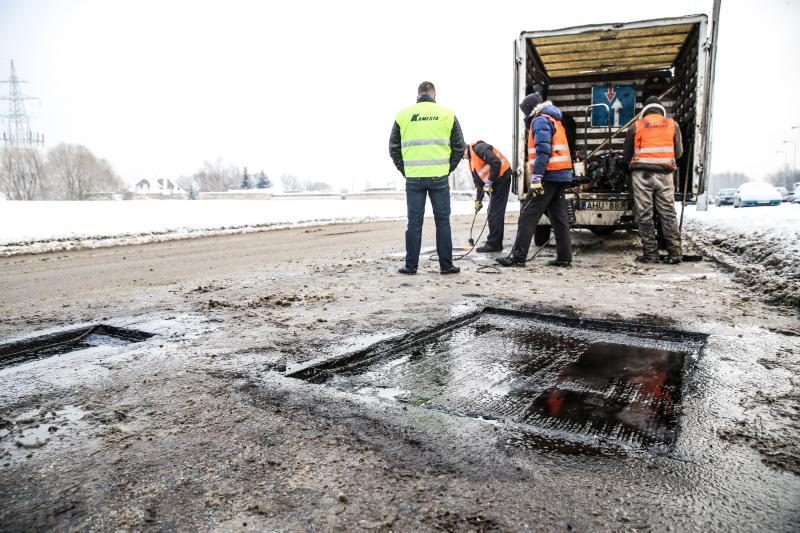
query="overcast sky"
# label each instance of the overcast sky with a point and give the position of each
(311, 88)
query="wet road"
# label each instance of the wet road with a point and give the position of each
(198, 427)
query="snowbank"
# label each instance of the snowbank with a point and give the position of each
(32, 227)
(761, 244)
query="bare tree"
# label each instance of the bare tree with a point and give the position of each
(190, 185)
(21, 173)
(290, 182)
(784, 177)
(727, 180)
(318, 186)
(216, 176)
(74, 173)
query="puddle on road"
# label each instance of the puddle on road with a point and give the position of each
(67, 341)
(22, 435)
(589, 381)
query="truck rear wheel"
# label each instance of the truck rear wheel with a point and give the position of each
(542, 235)
(603, 230)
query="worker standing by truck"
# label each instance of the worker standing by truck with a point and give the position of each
(426, 145)
(491, 173)
(550, 165)
(652, 147)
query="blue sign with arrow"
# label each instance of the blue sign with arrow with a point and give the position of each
(621, 102)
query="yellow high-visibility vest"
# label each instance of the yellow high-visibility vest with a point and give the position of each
(425, 139)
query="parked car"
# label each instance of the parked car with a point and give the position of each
(725, 196)
(756, 193)
(795, 196)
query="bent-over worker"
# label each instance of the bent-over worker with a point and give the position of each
(491, 173)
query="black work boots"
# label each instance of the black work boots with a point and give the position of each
(655, 259)
(486, 249)
(510, 260)
(411, 272)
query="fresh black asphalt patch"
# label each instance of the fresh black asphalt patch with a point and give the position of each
(590, 382)
(64, 342)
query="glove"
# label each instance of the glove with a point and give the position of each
(478, 206)
(536, 186)
(487, 187)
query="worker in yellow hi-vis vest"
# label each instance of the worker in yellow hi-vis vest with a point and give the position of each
(426, 145)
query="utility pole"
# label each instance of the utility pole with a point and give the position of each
(794, 155)
(18, 133)
(785, 158)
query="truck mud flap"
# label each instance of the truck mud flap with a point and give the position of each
(571, 213)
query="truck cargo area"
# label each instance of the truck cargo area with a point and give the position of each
(615, 68)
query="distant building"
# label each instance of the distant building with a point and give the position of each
(161, 188)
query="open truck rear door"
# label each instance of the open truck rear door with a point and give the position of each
(708, 59)
(515, 156)
(600, 75)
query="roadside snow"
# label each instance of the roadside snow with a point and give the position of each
(33, 227)
(782, 220)
(761, 244)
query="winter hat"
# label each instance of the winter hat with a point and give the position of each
(529, 103)
(653, 102)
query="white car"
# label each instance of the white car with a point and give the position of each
(756, 193)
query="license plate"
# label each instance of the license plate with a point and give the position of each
(764, 203)
(603, 205)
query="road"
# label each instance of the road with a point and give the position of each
(199, 428)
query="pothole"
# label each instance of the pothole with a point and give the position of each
(590, 382)
(64, 342)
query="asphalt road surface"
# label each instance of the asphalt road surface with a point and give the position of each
(199, 428)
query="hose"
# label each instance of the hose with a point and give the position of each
(473, 242)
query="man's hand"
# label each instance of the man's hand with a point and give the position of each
(487, 187)
(478, 206)
(536, 186)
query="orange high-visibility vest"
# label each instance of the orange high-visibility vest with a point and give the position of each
(654, 142)
(481, 167)
(560, 158)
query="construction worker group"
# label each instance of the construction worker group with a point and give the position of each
(426, 146)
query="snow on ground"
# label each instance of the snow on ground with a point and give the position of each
(32, 227)
(761, 244)
(783, 220)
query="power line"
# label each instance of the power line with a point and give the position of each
(18, 133)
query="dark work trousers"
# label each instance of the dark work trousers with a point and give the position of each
(417, 189)
(656, 191)
(497, 211)
(554, 203)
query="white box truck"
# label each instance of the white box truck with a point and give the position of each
(599, 76)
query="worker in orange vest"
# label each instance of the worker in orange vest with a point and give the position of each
(652, 148)
(491, 173)
(550, 170)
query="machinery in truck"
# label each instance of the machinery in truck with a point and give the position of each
(599, 76)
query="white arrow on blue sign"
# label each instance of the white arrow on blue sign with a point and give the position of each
(621, 100)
